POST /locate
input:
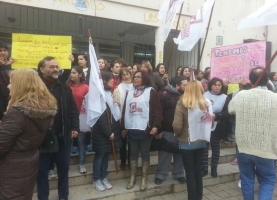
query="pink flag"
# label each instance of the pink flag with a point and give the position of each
(195, 28)
(96, 96)
(167, 14)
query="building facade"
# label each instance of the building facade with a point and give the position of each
(130, 29)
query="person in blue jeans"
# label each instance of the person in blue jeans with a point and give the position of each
(256, 139)
(102, 136)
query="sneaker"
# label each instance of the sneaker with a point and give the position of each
(226, 140)
(107, 184)
(234, 162)
(239, 184)
(74, 150)
(89, 148)
(98, 185)
(52, 174)
(82, 169)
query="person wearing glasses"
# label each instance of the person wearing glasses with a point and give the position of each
(141, 117)
(65, 127)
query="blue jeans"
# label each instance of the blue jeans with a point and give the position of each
(264, 169)
(81, 139)
(100, 165)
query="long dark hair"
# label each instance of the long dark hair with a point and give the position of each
(106, 76)
(180, 67)
(79, 70)
(86, 57)
(157, 69)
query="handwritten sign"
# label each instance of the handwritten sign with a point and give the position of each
(29, 49)
(233, 63)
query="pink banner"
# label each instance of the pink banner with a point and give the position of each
(233, 63)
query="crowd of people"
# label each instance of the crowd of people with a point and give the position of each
(185, 114)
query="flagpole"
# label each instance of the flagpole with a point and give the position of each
(89, 35)
(265, 69)
(175, 34)
(207, 31)
(108, 119)
(112, 141)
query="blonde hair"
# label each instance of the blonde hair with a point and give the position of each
(27, 86)
(194, 96)
(148, 65)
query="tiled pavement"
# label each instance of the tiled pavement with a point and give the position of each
(226, 191)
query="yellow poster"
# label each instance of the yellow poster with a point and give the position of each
(232, 87)
(28, 50)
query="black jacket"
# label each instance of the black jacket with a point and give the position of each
(222, 119)
(66, 108)
(102, 132)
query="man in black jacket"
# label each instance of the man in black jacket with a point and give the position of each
(65, 127)
(169, 97)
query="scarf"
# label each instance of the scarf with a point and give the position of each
(138, 91)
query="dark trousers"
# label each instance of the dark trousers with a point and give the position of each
(124, 153)
(192, 160)
(215, 145)
(88, 138)
(52, 162)
(62, 158)
(142, 146)
(4, 99)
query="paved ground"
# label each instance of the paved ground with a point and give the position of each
(227, 191)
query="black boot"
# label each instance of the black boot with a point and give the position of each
(214, 173)
(204, 172)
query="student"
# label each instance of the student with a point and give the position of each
(102, 136)
(79, 90)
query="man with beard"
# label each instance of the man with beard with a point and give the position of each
(5, 67)
(58, 141)
(169, 97)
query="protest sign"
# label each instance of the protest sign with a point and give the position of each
(28, 50)
(233, 63)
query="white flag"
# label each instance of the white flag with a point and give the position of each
(167, 14)
(195, 28)
(96, 95)
(266, 15)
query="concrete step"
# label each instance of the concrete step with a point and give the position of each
(226, 171)
(90, 155)
(75, 178)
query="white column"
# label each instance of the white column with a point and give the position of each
(159, 43)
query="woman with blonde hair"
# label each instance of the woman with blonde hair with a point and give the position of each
(22, 130)
(192, 126)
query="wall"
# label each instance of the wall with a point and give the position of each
(135, 11)
(226, 16)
